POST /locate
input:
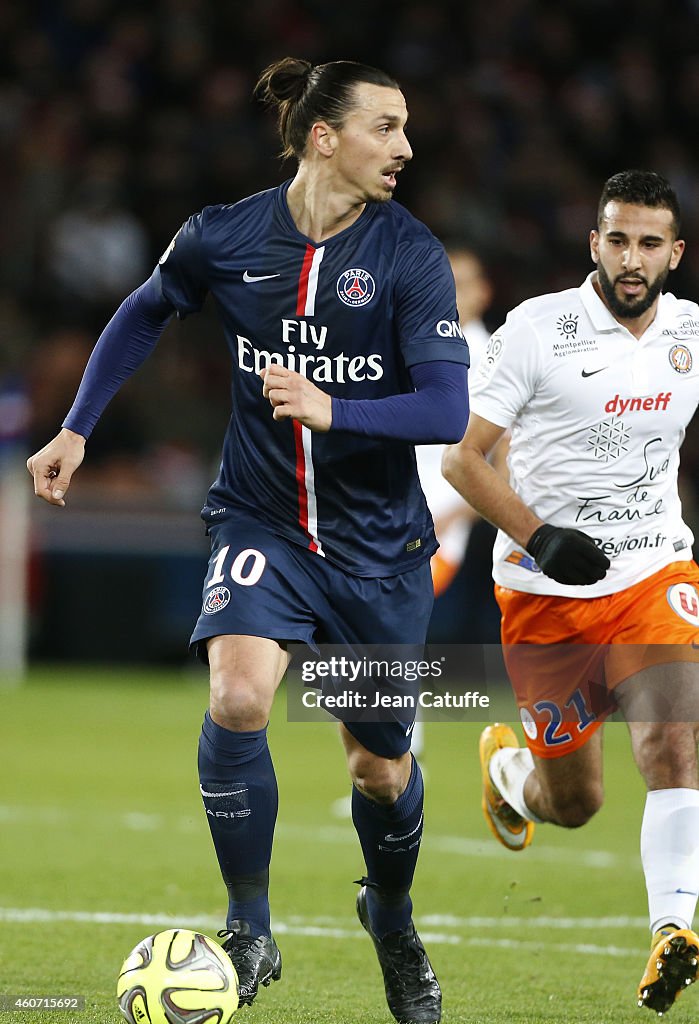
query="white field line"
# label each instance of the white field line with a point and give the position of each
(554, 923)
(460, 846)
(37, 915)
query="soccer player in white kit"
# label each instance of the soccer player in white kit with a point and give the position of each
(593, 559)
(452, 518)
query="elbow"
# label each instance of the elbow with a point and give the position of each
(449, 464)
(455, 427)
(455, 458)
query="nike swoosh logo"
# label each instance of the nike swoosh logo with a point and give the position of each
(513, 840)
(390, 838)
(252, 278)
(685, 892)
(591, 373)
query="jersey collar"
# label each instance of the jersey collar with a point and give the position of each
(601, 317)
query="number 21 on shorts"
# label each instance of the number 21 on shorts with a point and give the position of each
(554, 734)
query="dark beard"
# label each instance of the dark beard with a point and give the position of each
(631, 308)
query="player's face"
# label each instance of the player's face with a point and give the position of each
(635, 248)
(371, 147)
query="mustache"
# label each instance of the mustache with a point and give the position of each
(631, 279)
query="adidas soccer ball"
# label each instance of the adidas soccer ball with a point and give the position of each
(177, 976)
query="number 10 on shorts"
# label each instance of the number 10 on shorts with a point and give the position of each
(248, 566)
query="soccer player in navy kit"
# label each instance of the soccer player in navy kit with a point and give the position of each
(344, 305)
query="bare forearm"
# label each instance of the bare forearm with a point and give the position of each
(562, 553)
(486, 491)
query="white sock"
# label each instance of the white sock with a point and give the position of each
(670, 856)
(509, 769)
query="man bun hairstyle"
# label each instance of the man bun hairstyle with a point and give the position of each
(641, 188)
(304, 93)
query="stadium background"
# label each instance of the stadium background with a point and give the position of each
(116, 123)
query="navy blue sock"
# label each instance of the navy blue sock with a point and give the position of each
(390, 839)
(239, 790)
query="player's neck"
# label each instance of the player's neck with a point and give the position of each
(318, 210)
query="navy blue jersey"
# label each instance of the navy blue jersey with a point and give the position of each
(352, 314)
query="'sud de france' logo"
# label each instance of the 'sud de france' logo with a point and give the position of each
(356, 287)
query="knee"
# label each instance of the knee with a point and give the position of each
(237, 704)
(378, 778)
(572, 810)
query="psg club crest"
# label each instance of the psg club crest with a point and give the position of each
(216, 600)
(356, 287)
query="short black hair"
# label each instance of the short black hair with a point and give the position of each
(304, 93)
(641, 188)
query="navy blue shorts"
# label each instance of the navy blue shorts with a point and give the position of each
(259, 584)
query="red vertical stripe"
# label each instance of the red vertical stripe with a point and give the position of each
(303, 281)
(298, 435)
(301, 482)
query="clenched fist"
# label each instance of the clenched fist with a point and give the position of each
(53, 467)
(293, 396)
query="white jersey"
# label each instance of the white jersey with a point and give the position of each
(597, 418)
(444, 502)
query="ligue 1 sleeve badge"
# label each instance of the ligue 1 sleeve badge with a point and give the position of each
(356, 287)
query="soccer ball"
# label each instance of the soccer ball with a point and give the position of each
(177, 977)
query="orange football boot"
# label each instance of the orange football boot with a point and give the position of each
(671, 967)
(509, 827)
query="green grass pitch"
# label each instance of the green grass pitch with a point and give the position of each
(103, 841)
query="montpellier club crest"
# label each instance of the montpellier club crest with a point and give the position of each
(680, 358)
(356, 287)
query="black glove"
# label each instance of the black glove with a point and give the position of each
(567, 556)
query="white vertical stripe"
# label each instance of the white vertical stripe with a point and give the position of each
(313, 282)
(306, 437)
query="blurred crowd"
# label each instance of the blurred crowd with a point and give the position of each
(118, 120)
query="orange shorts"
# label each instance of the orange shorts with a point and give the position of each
(565, 656)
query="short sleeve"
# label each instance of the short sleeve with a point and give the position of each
(180, 273)
(507, 373)
(425, 307)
